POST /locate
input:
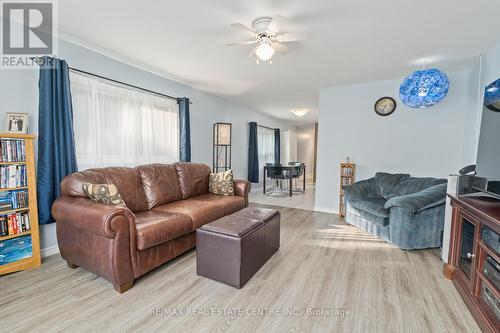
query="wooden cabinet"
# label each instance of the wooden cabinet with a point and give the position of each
(474, 259)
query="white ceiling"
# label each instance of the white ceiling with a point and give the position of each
(349, 41)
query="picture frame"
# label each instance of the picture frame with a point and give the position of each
(16, 122)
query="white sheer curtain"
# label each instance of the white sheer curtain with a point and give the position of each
(265, 141)
(116, 125)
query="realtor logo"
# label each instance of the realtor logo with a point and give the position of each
(27, 32)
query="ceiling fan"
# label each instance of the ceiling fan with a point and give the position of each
(268, 33)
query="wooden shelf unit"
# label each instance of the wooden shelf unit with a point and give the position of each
(33, 232)
(469, 250)
(346, 178)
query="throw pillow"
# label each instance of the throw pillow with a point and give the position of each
(221, 183)
(105, 193)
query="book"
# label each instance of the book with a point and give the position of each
(13, 200)
(12, 176)
(10, 226)
(12, 150)
(15, 249)
(4, 228)
(15, 223)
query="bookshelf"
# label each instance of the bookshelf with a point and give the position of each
(346, 178)
(19, 231)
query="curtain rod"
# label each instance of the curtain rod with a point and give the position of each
(116, 81)
(266, 127)
(124, 83)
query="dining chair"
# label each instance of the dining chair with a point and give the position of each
(277, 175)
(296, 174)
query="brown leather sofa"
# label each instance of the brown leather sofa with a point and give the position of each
(165, 206)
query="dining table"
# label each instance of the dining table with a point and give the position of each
(285, 167)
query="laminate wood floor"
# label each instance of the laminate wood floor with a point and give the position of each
(326, 277)
(297, 200)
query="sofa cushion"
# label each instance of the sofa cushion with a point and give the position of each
(126, 181)
(388, 182)
(230, 204)
(154, 228)
(193, 178)
(200, 212)
(160, 183)
(414, 185)
(372, 209)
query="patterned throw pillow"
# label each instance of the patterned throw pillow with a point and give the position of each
(221, 183)
(105, 193)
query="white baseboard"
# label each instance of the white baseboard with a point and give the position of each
(51, 250)
(326, 210)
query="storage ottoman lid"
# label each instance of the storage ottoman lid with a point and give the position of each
(256, 213)
(233, 226)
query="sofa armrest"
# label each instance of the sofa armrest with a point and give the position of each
(363, 189)
(241, 187)
(92, 216)
(419, 201)
(101, 238)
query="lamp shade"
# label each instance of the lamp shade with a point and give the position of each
(424, 88)
(223, 134)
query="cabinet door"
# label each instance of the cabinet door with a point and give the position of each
(467, 248)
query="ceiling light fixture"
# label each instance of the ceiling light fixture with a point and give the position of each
(264, 51)
(424, 88)
(300, 112)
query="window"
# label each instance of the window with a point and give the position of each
(116, 125)
(265, 142)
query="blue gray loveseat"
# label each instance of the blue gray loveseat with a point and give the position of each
(405, 211)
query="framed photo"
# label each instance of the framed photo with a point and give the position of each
(17, 122)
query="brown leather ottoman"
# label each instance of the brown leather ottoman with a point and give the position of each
(233, 248)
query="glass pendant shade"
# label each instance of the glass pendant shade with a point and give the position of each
(424, 88)
(492, 96)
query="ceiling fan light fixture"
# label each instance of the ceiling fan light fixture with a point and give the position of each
(264, 51)
(300, 112)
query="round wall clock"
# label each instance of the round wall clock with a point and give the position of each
(385, 106)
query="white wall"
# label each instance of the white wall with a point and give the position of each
(305, 146)
(289, 152)
(423, 142)
(19, 93)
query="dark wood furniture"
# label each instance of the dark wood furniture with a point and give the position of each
(469, 249)
(283, 168)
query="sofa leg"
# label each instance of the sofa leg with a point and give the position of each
(71, 265)
(121, 288)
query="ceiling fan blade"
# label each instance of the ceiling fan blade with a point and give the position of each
(280, 48)
(243, 28)
(277, 23)
(247, 42)
(291, 37)
(252, 53)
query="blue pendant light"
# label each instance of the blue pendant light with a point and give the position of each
(424, 88)
(492, 93)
